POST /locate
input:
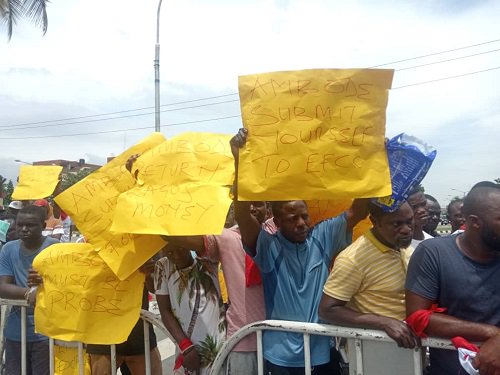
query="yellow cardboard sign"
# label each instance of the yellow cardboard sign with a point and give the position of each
(182, 188)
(81, 299)
(66, 361)
(321, 210)
(91, 205)
(314, 134)
(36, 182)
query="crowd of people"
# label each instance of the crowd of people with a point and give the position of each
(402, 276)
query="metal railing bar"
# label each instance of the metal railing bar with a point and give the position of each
(260, 354)
(307, 353)
(113, 359)
(51, 356)
(358, 352)
(147, 352)
(81, 361)
(23, 340)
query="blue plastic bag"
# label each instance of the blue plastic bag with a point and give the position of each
(409, 161)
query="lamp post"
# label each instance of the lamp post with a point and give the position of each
(157, 70)
(21, 161)
(460, 191)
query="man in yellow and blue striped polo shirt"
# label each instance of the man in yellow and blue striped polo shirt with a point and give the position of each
(366, 286)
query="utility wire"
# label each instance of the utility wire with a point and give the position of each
(118, 117)
(123, 130)
(445, 78)
(447, 60)
(235, 93)
(437, 53)
(236, 116)
(117, 112)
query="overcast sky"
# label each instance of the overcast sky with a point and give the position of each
(97, 58)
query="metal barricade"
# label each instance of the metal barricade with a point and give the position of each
(307, 329)
(6, 304)
(358, 335)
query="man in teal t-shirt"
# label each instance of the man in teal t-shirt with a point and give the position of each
(294, 265)
(16, 259)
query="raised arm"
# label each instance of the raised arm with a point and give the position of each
(357, 212)
(249, 226)
(443, 325)
(194, 243)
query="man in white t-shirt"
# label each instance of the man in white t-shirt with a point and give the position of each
(418, 203)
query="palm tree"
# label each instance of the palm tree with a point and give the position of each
(12, 10)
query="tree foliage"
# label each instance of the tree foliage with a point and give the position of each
(70, 179)
(6, 190)
(12, 11)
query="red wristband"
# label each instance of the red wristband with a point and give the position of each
(184, 344)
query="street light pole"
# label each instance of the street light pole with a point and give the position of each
(460, 191)
(157, 70)
(21, 161)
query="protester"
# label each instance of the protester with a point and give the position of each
(294, 265)
(130, 354)
(16, 259)
(188, 297)
(455, 215)
(366, 286)
(418, 203)
(11, 234)
(15, 207)
(53, 227)
(461, 274)
(434, 216)
(243, 282)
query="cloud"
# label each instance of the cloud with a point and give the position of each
(97, 57)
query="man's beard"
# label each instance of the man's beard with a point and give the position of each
(490, 238)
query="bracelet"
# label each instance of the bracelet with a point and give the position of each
(184, 344)
(187, 350)
(26, 294)
(29, 292)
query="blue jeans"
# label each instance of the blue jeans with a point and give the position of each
(37, 357)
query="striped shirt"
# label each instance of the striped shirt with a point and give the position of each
(370, 277)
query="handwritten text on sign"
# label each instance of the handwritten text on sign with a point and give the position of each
(82, 299)
(322, 130)
(182, 188)
(91, 204)
(66, 361)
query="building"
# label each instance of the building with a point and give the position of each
(69, 166)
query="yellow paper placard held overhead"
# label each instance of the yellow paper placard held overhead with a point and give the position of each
(314, 134)
(36, 182)
(182, 188)
(91, 204)
(321, 210)
(81, 299)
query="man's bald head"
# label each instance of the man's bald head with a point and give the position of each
(479, 198)
(482, 214)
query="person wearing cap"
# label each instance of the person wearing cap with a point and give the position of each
(53, 227)
(15, 206)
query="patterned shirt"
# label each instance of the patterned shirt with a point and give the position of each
(196, 285)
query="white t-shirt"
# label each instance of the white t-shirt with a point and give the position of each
(183, 287)
(414, 242)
